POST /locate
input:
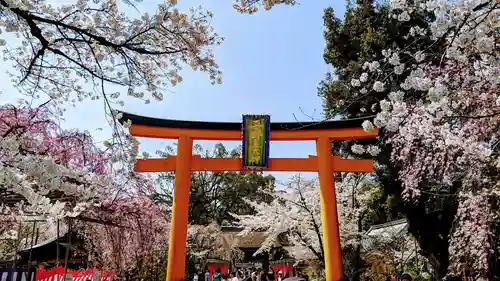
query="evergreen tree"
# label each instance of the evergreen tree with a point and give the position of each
(366, 30)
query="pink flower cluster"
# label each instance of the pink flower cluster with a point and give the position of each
(132, 234)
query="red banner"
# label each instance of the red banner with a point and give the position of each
(212, 268)
(57, 274)
(284, 268)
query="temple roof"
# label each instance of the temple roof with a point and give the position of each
(236, 126)
(385, 233)
(253, 239)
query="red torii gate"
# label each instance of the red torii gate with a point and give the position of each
(185, 162)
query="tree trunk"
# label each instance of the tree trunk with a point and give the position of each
(357, 260)
(430, 226)
(432, 232)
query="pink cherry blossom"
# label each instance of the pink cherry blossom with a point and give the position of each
(131, 235)
(442, 120)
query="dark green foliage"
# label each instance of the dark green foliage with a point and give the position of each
(365, 31)
(215, 195)
(352, 263)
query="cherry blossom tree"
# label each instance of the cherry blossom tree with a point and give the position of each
(442, 119)
(71, 52)
(58, 173)
(63, 175)
(438, 105)
(208, 241)
(130, 236)
(294, 214)
(251, 6)
(39, 162)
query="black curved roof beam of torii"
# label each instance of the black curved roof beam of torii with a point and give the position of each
(236, 126)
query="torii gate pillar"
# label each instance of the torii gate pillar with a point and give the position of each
(329, 217)
(180, 208)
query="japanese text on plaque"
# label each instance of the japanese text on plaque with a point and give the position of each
(256, 143)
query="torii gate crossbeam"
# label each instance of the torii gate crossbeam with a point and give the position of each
(185, 162)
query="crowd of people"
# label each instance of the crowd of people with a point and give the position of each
(246, 275)
(255, 275)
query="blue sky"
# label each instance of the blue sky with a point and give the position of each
(272, 63)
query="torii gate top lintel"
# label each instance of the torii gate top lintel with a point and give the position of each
(285, 131)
